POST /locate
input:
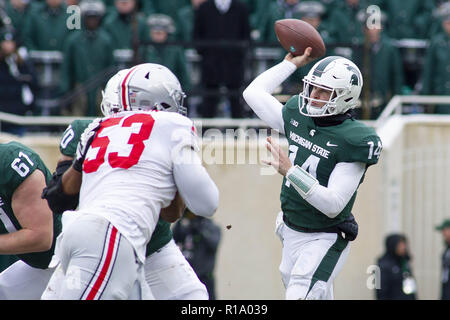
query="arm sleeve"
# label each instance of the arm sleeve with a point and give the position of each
(258, 94)
(194, 184)
(342, 184)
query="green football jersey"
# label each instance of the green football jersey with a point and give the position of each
(317, 149)
(18, 162)
(68, 146)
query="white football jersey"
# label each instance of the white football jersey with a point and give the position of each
(128, 170)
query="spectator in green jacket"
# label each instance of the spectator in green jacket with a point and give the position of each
(436, 69)
(281, 9)
(19, 12)
(344, 20)
(167, 7)
(407, 19)
(258, 10)
(161, 29)
(383, 75)
(88, 59)
(46, 27)
(126, 28)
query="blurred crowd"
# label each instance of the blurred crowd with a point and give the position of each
(57, 55)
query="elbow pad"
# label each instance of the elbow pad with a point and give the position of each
(57, 200)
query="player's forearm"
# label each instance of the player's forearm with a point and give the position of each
(194, 184)
(26, 241)
(174, 211)
(258, 94)
(71, 181)
(342, 184)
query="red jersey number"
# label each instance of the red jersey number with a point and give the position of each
(136, 140)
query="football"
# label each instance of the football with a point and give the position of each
(296, 35)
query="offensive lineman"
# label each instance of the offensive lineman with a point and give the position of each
(132, 165)
(28, 229)
(329, 153)
(167, 271)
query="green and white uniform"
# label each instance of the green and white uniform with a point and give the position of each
(25, 279)
(337, 156)
(318, 150)
(167, 271)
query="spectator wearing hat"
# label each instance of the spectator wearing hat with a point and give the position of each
(17, 81)
(161, 29)
(444, 228)
(88, 60)
(436, 69)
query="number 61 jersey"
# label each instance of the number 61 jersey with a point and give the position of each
(17, 163)
(317, 149)
(128, 170)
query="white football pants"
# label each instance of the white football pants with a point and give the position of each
(171, 277)
(310, 262)
(96, 262)
(22, 282)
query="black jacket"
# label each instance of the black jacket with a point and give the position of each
(222, 64)
(394, 270)
(198, 239)
(445, 278)
(11, 85)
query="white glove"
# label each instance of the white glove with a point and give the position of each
(85, 141)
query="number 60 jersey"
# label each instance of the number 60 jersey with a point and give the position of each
(317, 149)
(135, 165)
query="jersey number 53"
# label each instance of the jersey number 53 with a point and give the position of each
(136, 140)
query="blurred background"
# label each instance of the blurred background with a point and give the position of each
(56, 56)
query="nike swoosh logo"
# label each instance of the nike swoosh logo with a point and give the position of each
(331, 145)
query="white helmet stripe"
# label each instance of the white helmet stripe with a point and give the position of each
(124, 89)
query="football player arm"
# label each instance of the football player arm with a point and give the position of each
(58, 200)
(194, 184)
(342, 184)
(174, 211)
(34, 216)
(330, 200)
(258, 94)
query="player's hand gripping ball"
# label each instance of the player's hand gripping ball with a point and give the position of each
(296, 35)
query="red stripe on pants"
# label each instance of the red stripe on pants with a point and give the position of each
(104, 271)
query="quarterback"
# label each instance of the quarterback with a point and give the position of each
(329, 153)
(130, 166)
(164, 260)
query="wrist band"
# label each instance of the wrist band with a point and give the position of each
(302, 181)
